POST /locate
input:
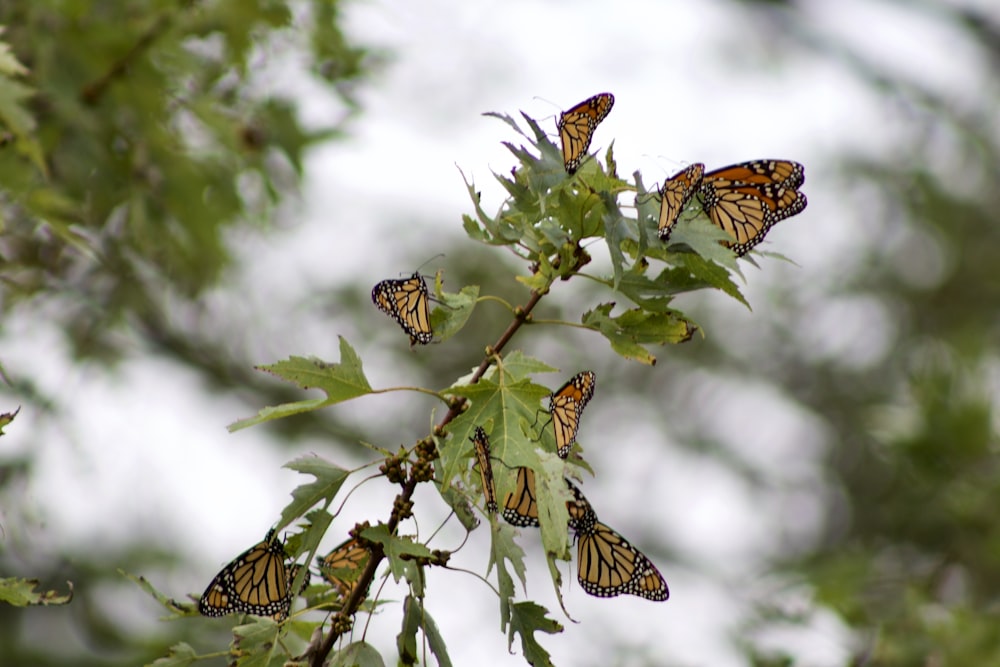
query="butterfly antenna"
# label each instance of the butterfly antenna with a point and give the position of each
(440, 254)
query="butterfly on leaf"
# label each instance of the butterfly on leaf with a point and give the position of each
(576, 128)
(675, 193)
(407, 302)
(482, 446)
(520, 507)
(342, 567)
(607, 564)
(747, 199)
(566, 406)
(256, 582)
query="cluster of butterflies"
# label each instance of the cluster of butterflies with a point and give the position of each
(259, 581)
(744, 199)
(607, 564)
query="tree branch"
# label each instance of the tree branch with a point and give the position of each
(318, 656)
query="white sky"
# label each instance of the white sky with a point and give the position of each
(695, 81)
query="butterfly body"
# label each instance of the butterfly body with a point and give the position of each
(482, 446)
(407, 302)
(576, 128)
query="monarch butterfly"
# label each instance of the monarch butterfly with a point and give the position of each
(747, 199)
(255, 582)
(406, 302)
(576, 128)
(566, 405)
(482, 444)
(342, 566)
(520, 507)
(607, 564)
(675, 193)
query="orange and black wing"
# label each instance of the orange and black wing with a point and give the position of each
(608, 565)
(675, 194)
(407, 302)
(747, 199)
(520, 507)
(576, 128)
(255, 582)
(778, 172)
(566, 406)
(482, 445)
(342, 566)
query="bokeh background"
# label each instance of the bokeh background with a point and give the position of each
(213, 185)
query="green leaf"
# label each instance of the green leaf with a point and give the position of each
(434, 639)
(634, 328)
(358, 654)
(518, 366)
(19, 592)
(504, 404)
(406, 640)
(169, 603)
(7, 417)
(12, 110)
(527, 618)
(452, 316)
(339, 381)
(329, 479)
(179, 655)
(703, 237)
(459, 502)
(505, 550)
(395, 546)
(256, 643)
(617, 229)
(711, 273)
(9, 64)
(552, 494)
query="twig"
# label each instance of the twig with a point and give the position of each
(93, 91)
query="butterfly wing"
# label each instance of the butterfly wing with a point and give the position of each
(407, 302)
(342, 566)
(576, 128)
(675, 194)
(482, 445)
(566, 406)
(608, 565)
(748, 198)
(255, 582)
(520, 507)
(778, 172)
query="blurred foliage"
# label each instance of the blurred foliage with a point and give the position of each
(909, 558)
(135, 137)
